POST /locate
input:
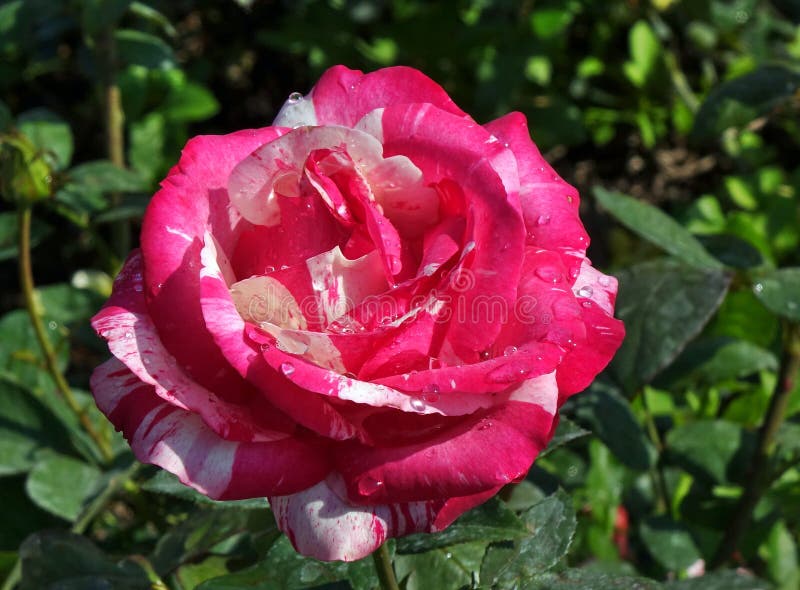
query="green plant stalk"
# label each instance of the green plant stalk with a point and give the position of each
(384, 569)
(759, 473)
(115, 131)
(664, 502)
(28, 293)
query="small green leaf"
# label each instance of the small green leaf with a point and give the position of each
(492, 521)
(189, 102)
(147, 138)
(602, 409)
(779, 291)
(103, 176)
(25, 426)
(61, 485)
(49, 133)
(566, 432)
(547, 23)
(138, 48)
(664, 306)
(450, 568)
(552, 524)
(57, 559)
(669, 542)
(645, 49)
(737, 102)
(714, 451)
(655, 226)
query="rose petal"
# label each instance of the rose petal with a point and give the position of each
(133, 339)
(343, 96)
(193, 198)
(180, 442)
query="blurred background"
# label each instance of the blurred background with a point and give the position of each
(677, 120)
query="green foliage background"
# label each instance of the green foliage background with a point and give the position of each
(679, 122)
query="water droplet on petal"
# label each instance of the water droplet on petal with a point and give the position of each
(431, 393)
(287, 368)
(484, 424)
(264, 347)
(509, 350)
(128, 334)
(394, 264)
(468, 247)
(486, 354)
(543, 220)
(268, 269)
(295, 97)
(585, 291)
(549, 274)
(417, 404)
(586, 304)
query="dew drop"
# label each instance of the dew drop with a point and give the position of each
(394, 264)
(431, 393)
(549, 274)
(369, 485)
(448, 555)
(287, 368)
(295, 97)
(543, 220)
(268, 269)
(128, 334)
(586, 304)
(468, 247)
(417, 404)
(264, 347)
(52, 325)
(484, 425)
(486, 354)
(509, 350)
(585, 291)
(758, 287)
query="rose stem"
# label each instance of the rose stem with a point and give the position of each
(759, 472)
(28, 292)
(115, 130)
(384, 569)
(92, 511)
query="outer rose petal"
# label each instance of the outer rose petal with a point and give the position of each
(181, 443)
(322, 525)
(343, 96)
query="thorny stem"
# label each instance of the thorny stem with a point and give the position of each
(759, 475)
(384, 569)
(28, 293)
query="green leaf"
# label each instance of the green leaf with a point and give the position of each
(192, 575)
(164, 482)
(189, 102)
(25, 426)
(552, 525)
(20, 356)
(205, 530)
(67, 305)
(780, 554)
(138, 48)
(715, 359)
(779, 291)
(602, 409)
(714, 451)
(61, 485)
(9, 234)
(732, 250)
(49, 133)
(103, 176)
(566, 432)
(669, 542)
(57, 560)
(645, 50)
(587, 579)
(492, 521)
(737, 102)
(655, 226)
(451, 568)
(146, 152)
(664, 306)
(550, 22)
(100, 15)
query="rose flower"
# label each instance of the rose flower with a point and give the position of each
(368, 312)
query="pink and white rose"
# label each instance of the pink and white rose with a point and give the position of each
(368, 312)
